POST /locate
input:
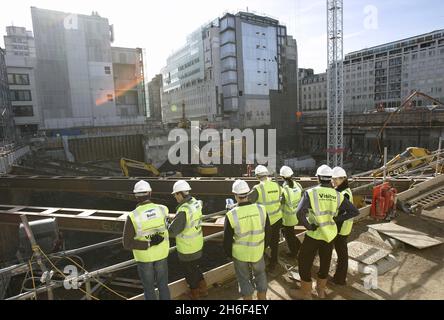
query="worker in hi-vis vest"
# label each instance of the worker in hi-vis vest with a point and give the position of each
(318, 212)
(246, 233)
(146, 234)
(268, 194)
(340, 182)
(291, 196)
(187, 229)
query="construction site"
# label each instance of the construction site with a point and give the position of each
(65, 195)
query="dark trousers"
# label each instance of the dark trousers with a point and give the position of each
(310, 247)
(340, 245)
(274, 240)
(293, 242)
(193, 273)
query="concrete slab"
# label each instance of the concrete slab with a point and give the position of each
(365, 253)
(412, 237)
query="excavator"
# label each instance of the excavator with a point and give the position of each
(133, 168)
(211, 170)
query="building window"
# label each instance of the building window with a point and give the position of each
(23, 111)
(110, 97)
(21, 95)
(107, 70)
(18, 79)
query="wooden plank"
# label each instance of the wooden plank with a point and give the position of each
(364, 253)
(217, 275)
(414, 238)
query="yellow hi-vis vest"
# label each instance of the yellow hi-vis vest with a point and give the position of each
(324, 203)
(190, 240)
(347, 224)
(248, 223)
(269, 195)
(292, 197)
(149, 219)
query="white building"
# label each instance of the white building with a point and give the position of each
(385, 75)
(21, 61)
(191, 78)
(75, 72)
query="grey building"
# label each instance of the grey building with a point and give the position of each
(251, 66)
(227, 69)
(386, 74)
(284, 103)
(6, 117)
(154, 97)
(21, 62)
(75, 72)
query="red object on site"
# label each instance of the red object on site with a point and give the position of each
(383, 201)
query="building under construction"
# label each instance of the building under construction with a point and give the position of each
(66, 192)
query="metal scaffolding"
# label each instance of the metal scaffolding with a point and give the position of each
(335, 88)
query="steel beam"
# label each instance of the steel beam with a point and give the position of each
(122, 186)
(105, 221)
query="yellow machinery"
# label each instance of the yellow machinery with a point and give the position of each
(406, 161)
(207, 170)
(131, 168)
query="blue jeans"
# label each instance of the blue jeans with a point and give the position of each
(251, 276)
(151, 273)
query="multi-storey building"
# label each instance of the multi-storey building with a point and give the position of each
(226, 71)
(385, 75)
(191, 83)
(154, 97)
(78, 79)
(6, 118)
(21, 62)
(313, 92)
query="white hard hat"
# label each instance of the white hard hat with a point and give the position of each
(324, 171)
(180, 186)
(338, 172)
(142, 188)
(286, 172)
(261, 170)
(240, 187)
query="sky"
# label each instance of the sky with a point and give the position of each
(162, 26)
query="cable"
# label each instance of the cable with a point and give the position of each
(86, 271)
(98, 281)
(59, 271)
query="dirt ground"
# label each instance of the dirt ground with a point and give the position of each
(419, 275)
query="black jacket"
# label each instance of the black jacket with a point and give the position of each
(346, 211)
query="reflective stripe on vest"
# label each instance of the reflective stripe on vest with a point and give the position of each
(190, 240)
(272, 203)
(347, 225)
(292, 198)
(248, 223)
(325, 203)
(150, 219)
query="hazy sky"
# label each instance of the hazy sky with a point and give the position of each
(162, 26)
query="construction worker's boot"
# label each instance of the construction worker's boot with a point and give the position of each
(320, 287)
(194, 294)
(262, 295)
(304, 293)
(203, 288)
(247, 297)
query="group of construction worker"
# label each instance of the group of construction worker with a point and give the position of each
(252, 224)
(147, 233)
